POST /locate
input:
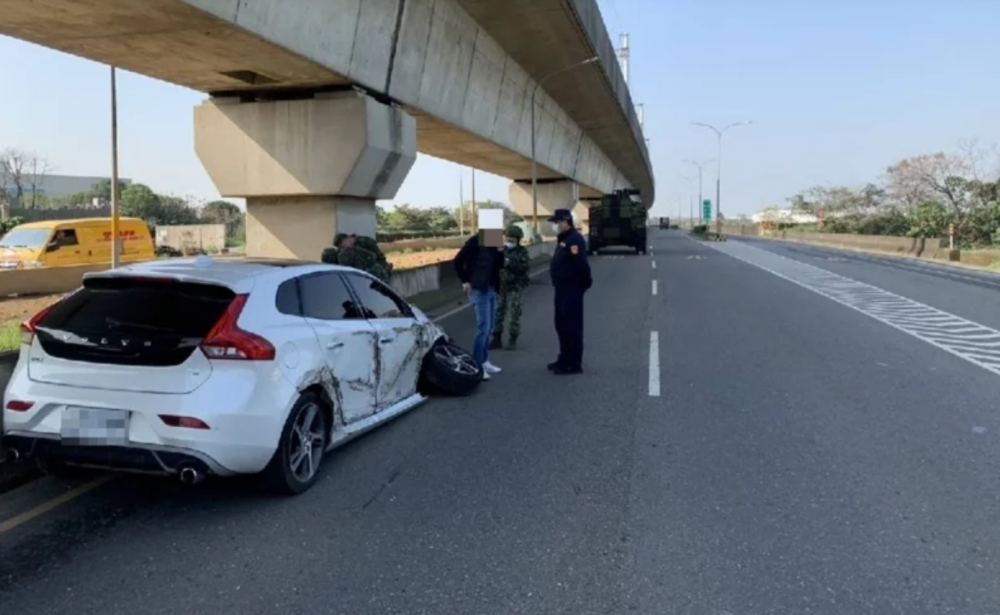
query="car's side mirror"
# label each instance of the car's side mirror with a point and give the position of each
(52, 247)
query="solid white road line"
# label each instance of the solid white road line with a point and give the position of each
(654, 364)
(654, 288)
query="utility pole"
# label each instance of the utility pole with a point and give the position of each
(623, 55)
(461, 205)
(534, 161)
(115, 240)
(475, 213)
(701, 216)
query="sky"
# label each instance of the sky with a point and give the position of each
(837, 90)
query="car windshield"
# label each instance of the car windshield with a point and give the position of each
(25, 238)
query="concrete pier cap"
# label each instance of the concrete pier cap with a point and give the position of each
(552, 195)
(308, 168)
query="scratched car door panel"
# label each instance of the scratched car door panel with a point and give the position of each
(400, 354)
(348, 341)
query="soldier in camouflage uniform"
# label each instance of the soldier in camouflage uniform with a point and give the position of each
(382, 268)
(514, 281)
(359, 252)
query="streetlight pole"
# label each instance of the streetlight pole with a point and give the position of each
(461, 205)
(701, 216)
(690, 180)
(115, 241)
(534, 163)
(718, 173)
(475, 218)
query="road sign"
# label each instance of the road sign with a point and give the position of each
(706, 209)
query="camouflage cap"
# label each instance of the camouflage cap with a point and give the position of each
(514, 232)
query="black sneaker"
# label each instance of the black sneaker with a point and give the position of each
(566, 371)
(555, 365)
(497, 342)
(512, 343)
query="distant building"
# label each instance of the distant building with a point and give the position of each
(56, 186)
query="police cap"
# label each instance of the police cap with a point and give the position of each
(561, 214)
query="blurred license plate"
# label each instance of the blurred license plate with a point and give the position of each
(94, 426)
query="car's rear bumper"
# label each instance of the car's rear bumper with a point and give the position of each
(146, 459)
(245, 416)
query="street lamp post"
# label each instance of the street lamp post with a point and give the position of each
(534, 164)
(115, 241)
(701, 216)
(718, 173)
(691, 179)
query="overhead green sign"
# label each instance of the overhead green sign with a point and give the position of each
(706, 209)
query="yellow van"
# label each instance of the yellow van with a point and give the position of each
(56, 243)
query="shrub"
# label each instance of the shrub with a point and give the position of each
(6, 225)
(389, 236)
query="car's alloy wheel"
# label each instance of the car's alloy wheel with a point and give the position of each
(460, 361)
(307, 441)
(450, 369)
(296, 462)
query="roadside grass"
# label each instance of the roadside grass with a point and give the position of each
(10, 335)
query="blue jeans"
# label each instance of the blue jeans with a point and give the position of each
(485, 304)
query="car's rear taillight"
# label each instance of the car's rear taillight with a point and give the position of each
(28, 327)
(227, 341)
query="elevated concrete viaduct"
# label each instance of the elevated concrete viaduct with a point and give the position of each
(318, 107)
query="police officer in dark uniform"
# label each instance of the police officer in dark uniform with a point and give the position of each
(570, 273)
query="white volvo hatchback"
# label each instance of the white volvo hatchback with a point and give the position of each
(202, 366)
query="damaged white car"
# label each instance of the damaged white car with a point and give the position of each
(203, 366)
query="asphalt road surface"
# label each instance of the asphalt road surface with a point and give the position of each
(791, 442)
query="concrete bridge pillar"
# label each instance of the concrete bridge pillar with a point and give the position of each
(552, 195)
(308, 168)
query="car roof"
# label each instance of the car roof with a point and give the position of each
(226, 271)
(45, 224)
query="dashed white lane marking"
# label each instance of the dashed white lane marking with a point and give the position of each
(654, 288)
(971, 341)
(654, 364)
(654, 264)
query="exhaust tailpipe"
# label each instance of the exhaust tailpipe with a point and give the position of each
(12, 455)
(191, 476)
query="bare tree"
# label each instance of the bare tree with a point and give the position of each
(4, 192)
(37, 170)
(12, 166)
(22, 172)
(937, 178)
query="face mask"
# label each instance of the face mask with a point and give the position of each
(555, 227)
(510, 244)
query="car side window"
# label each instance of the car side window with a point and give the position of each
(63, 238)
(378, 300)
(324, 296)
(287, 298)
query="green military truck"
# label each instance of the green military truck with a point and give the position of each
(619, 220)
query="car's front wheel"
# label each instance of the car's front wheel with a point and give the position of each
(451, 369)
(296, 462)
